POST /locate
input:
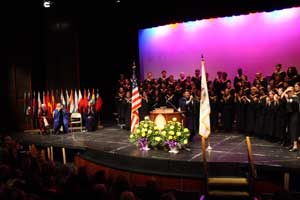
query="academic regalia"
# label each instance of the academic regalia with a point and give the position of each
(43, 115)
(90, 118)
(120, 104)
(227, 114)
(61, 118)
(240, 114)
(191, 112)
(260, 110)
(144, 109)
(213, 101)
(293, 112)
(281, 120)
(250, 116)
(269, 125)
(127, 109)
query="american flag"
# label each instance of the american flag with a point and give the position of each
(136, 103)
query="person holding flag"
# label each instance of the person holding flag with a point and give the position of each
(136, 102)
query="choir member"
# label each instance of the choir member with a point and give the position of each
(227, 114)
(197, 78)
(293, 112)
(163, 78)
(144, 109)
(279, 72)
(127, 109)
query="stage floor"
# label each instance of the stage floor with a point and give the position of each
(110, 146)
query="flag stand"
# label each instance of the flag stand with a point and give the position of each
(208, 144)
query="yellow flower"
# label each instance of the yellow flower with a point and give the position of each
(186, 130)
(131, 135)
(145, 125)
(157, 139)
(144, 130)
(170, 137)
(163, 133)
(143, 134)
(178, 133)
(171, 132)
(185, 141)
(172, 127)
(146, 118)
(138, 131)
(174, 119)
(155, 128)
(149, 131)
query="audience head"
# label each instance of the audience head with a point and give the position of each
(127, 195)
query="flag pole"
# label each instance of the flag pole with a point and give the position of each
(205, 86)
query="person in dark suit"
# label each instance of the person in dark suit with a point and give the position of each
(190, 107)
(90, 117)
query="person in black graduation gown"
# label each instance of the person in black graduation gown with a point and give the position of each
(190, 108)
(144, 109)
(90, 117)
(251, 102)
(270, 113)
(127, 109)
(293, 110)
(213, 101)
(280, 118)
(120, 105)
(240, 110)
(228, 108)
(260, 109)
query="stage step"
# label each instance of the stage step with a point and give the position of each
(226, 194)
(227, 181)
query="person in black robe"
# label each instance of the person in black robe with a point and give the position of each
(252, 100)
(279, 72)
(240, 107)
(260, 109)
(270, 113)
(293, 110)
(228, 108)
(127, 108)
(90, 117)
(144, 109)
(280, 118)
(292, 76)
(120, 105)
(213, 101)
(190, 107)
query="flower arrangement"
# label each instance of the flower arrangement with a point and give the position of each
(174, 134)
(147, 134)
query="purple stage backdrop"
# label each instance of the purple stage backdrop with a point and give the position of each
(255, 42)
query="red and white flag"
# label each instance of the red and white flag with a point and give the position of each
(136, 103)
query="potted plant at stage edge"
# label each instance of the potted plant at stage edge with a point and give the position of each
(146, 135)
(175, 135)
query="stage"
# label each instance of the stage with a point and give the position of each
(110, 147)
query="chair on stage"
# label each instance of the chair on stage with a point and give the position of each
(76, 121)
(237, 186)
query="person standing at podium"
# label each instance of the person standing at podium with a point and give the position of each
(190, 107)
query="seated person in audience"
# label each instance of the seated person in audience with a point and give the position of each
(90, 117)
(61, 119)
(43, 118)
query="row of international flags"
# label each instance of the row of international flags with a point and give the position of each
(72, 100)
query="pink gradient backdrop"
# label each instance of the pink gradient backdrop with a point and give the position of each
(255, 42)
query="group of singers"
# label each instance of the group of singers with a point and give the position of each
(268, 107)
(60, 118)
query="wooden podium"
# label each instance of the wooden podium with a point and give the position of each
(167, 113)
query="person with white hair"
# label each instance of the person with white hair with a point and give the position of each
(43, 117)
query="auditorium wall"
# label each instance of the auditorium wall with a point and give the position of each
(255, 42)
